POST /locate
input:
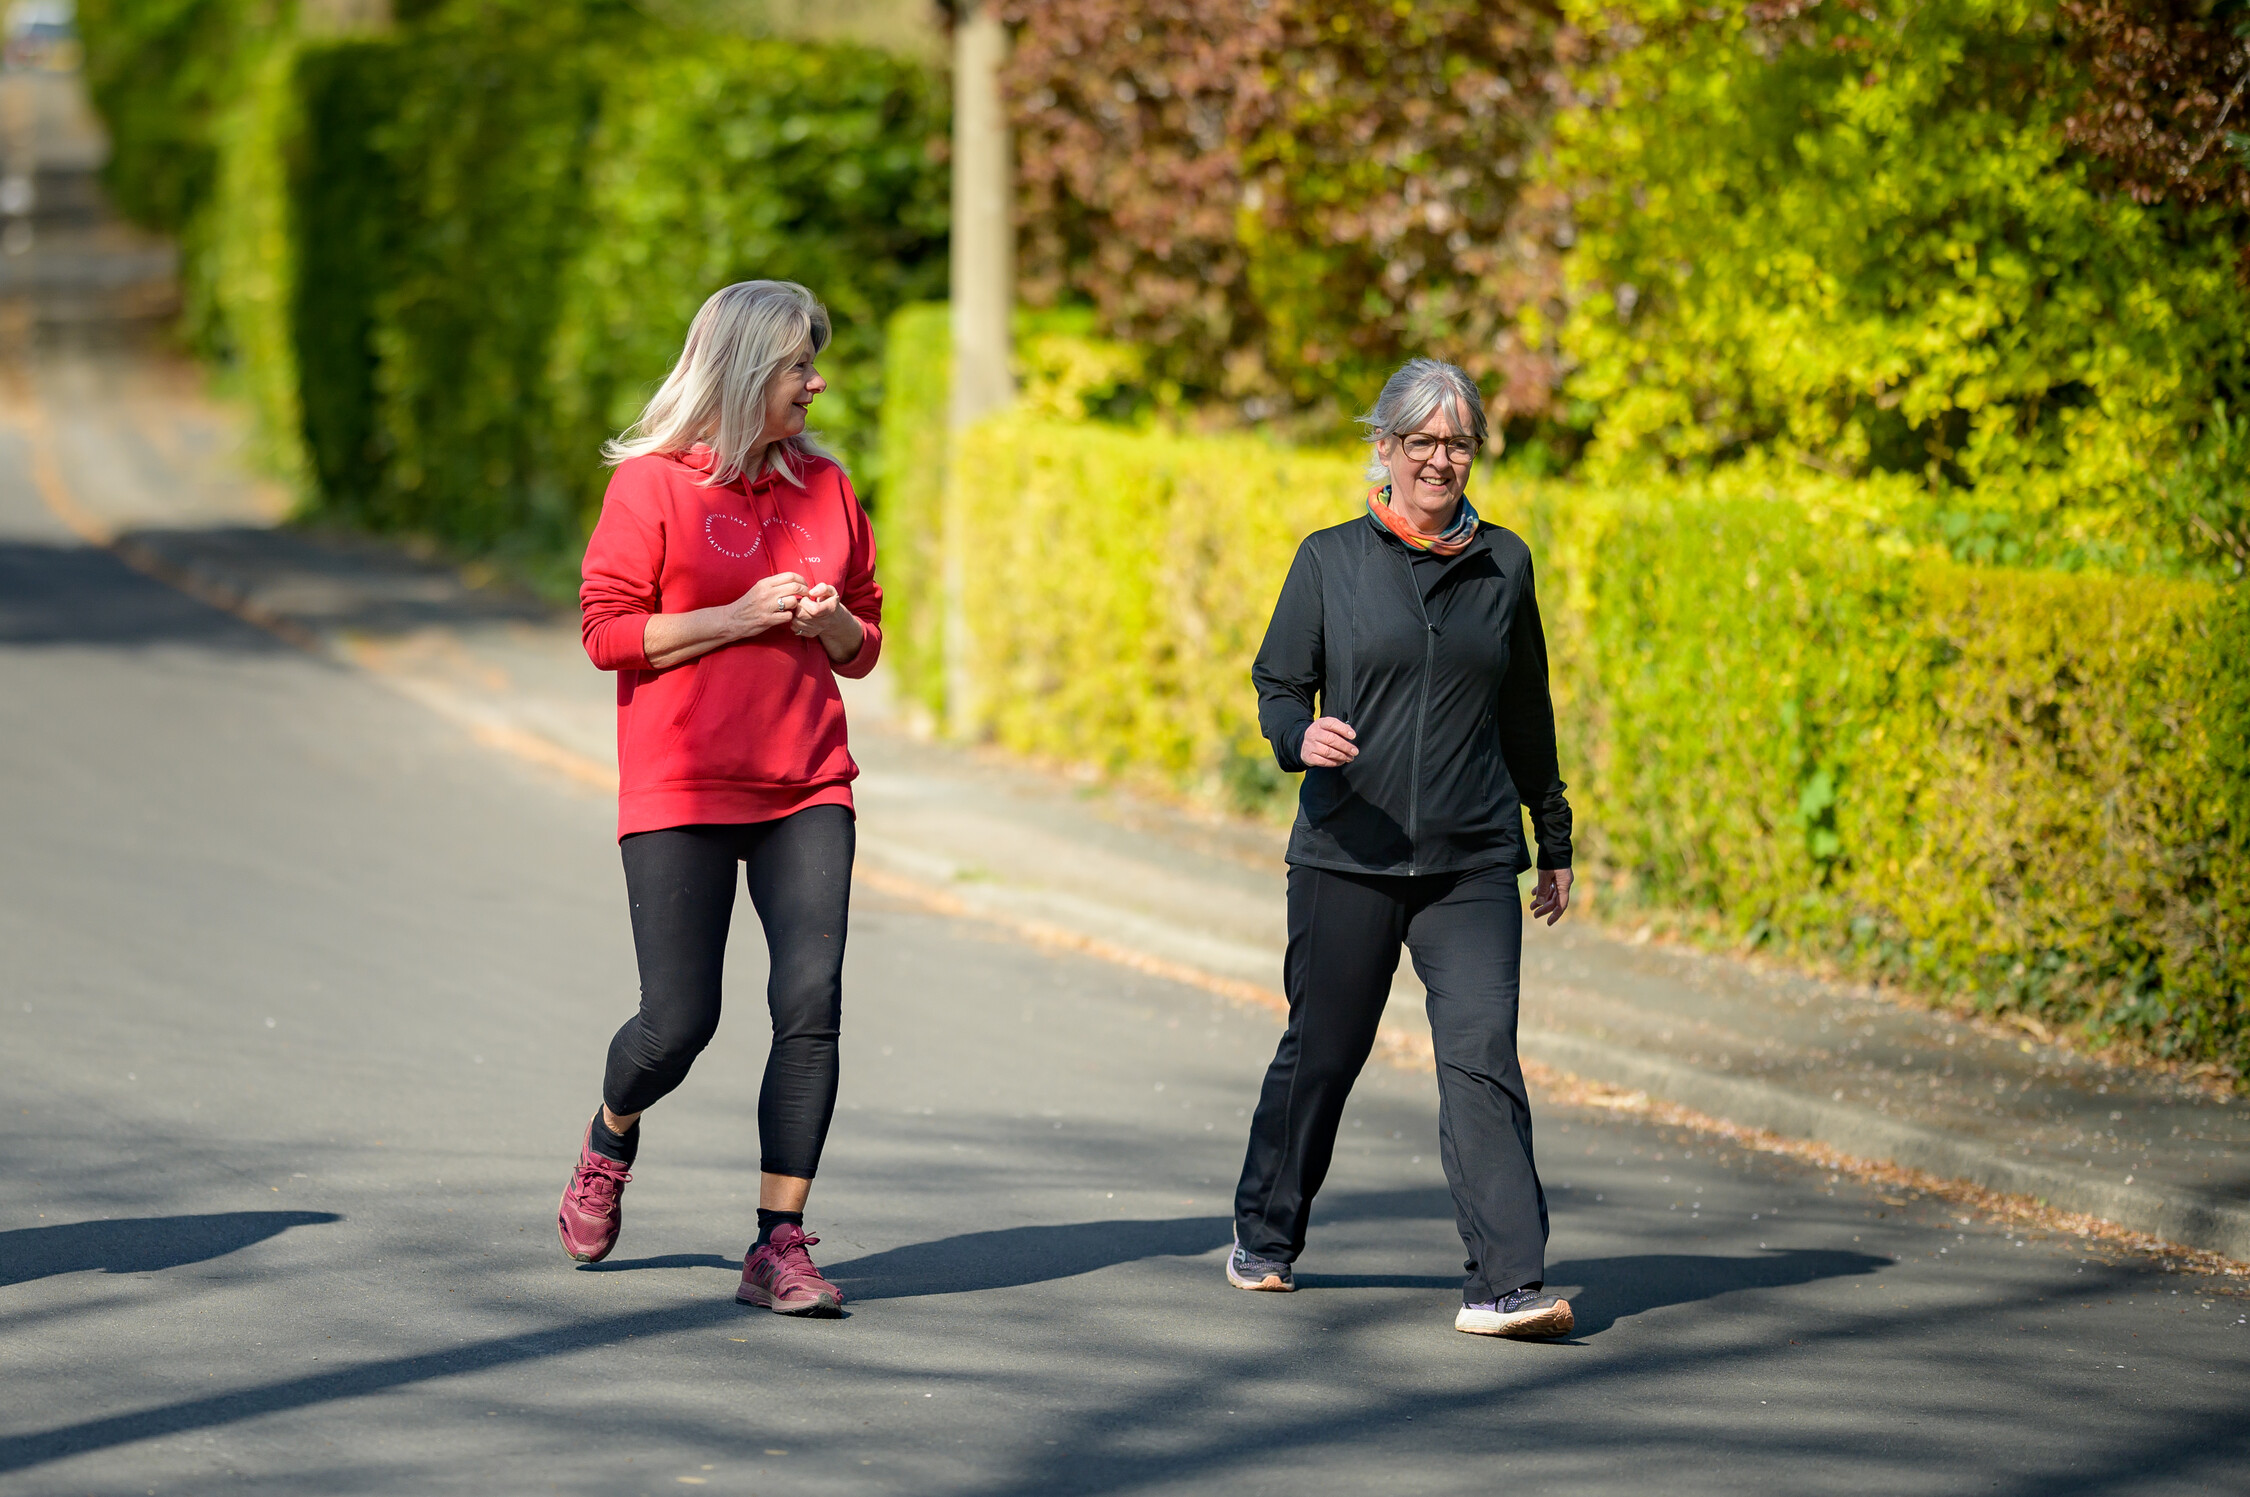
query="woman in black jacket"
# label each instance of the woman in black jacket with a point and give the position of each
(1406, 674)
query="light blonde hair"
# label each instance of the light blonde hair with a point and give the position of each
(741, 340)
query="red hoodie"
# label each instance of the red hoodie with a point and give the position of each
(753, 730)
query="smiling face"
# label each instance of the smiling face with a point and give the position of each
(790, 393)
(1425, 490)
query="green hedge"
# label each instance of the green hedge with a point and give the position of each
(820, 163)
(1779, 709)
(447, 261)
(162, 73)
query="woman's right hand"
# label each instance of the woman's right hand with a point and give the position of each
(1328, 743)
(769, 605)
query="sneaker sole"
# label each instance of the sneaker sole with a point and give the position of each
(1536, 1325)
(820, 1306)
(1272, 1283)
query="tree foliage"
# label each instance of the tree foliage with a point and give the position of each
(2164, 101)
(1854, 235)
(1284, 199)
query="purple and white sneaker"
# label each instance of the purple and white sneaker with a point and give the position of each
(1246, 1270)
(1526, 1314)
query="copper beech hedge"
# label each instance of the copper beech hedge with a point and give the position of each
(1779, 711)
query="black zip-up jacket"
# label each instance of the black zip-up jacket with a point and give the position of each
(1440, 666)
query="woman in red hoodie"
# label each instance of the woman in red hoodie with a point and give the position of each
(729, 581)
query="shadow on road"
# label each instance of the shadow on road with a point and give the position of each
(1613, 1288)
(336, 579)
(141, 1244)
(53, 594)
(1618, 1288)
(21, 1452)
(77, 595)
(663, 1260)
(1014, 1256)
(1306, 1281)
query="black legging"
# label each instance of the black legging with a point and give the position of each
(1466, 933)
(681, 883)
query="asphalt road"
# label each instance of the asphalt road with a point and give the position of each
(304, 1003)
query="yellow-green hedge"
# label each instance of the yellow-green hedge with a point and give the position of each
(2015, 783)
(909, 520)
(1776, 709)
(1116, 584)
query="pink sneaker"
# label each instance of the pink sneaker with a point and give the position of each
(780, 1276)
(593, 1206)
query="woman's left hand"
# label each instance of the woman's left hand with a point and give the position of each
(1551, 895)
(821, 615)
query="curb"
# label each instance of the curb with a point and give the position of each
(2175, 1216)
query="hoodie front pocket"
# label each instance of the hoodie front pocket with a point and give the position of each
(694, 694)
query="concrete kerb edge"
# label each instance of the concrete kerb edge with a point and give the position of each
(2174, 1216)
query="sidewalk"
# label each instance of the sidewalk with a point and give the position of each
(131, 460)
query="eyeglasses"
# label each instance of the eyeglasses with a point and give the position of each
(1418, 448)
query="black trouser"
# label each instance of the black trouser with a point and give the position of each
(1466, 933)
(681, 883)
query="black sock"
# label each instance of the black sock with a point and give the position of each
(621, 1147)
(768, 1220)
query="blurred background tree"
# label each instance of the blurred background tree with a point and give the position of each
(2165, 108)
(1855, 235)
(1994, 247)
(1282, 199)
(446, 256)
(2163, 101)
(161, 72)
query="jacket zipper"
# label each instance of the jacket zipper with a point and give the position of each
(1421, 719)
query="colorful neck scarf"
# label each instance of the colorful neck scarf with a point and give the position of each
(1454, 541)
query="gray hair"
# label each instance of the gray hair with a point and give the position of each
(1408, 398)
(744, 336)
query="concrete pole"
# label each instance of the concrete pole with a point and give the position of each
(343, 17)
(983, 299)
(984, 227)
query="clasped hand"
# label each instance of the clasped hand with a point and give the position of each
(813, 610)
(1328, 744)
